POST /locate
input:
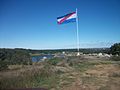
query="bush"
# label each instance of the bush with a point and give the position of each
(3, 65)
(115, 74)
(115, 58)
(14, 56)
(54, 61)
(115, 49)
(34, 77)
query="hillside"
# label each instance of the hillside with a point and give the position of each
(69, 73)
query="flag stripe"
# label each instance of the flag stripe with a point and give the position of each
(70, 17)
(65, 18)
(66, 15)
(70, 20)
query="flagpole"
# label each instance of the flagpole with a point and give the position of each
(77, 33)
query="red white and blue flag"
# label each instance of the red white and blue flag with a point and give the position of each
(71, 17)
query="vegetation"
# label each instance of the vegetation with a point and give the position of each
(23, 56)
(115, 58)
(34, 77)
(68, 73)
(13, 57)
(53, 75)
(38, 52)
(115, 49)
(54, 61)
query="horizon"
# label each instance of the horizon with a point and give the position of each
(56, 49)
(32, 24)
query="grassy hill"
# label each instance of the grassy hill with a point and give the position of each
(69, 73)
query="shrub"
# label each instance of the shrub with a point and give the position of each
(54, 61)
(115, 49)
(115, 58)
(115, 74)
(3, 65)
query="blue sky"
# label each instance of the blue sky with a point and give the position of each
(33, 23)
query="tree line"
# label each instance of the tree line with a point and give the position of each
(22, 56)
(14, 57)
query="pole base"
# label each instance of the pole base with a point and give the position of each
(78, 54)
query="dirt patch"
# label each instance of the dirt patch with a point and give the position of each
(99, 77)
(102, 70)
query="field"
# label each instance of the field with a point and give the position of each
(69, 73)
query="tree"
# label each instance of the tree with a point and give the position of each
(3, 63)
(115, 49)
(13, 57)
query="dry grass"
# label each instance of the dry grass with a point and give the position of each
(73, 74)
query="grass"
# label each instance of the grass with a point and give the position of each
(43, 77)
(29, 82)
(111, 84)
(47, 75)
(115, 74)
(37, 54)
(54, 61)
(84, 65)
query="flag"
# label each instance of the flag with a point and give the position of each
(71, 17)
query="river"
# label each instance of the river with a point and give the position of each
(39, 58)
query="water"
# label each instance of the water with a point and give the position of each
(49, 56)
(39, 58)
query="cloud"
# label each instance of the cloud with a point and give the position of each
(91, 45)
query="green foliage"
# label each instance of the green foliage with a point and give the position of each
(45, 77)
(115, 58)
(3, 65)
(54, 61)
(80, 65)
(13, 56)
(88, 50)
(83, 66)
(115, 49)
